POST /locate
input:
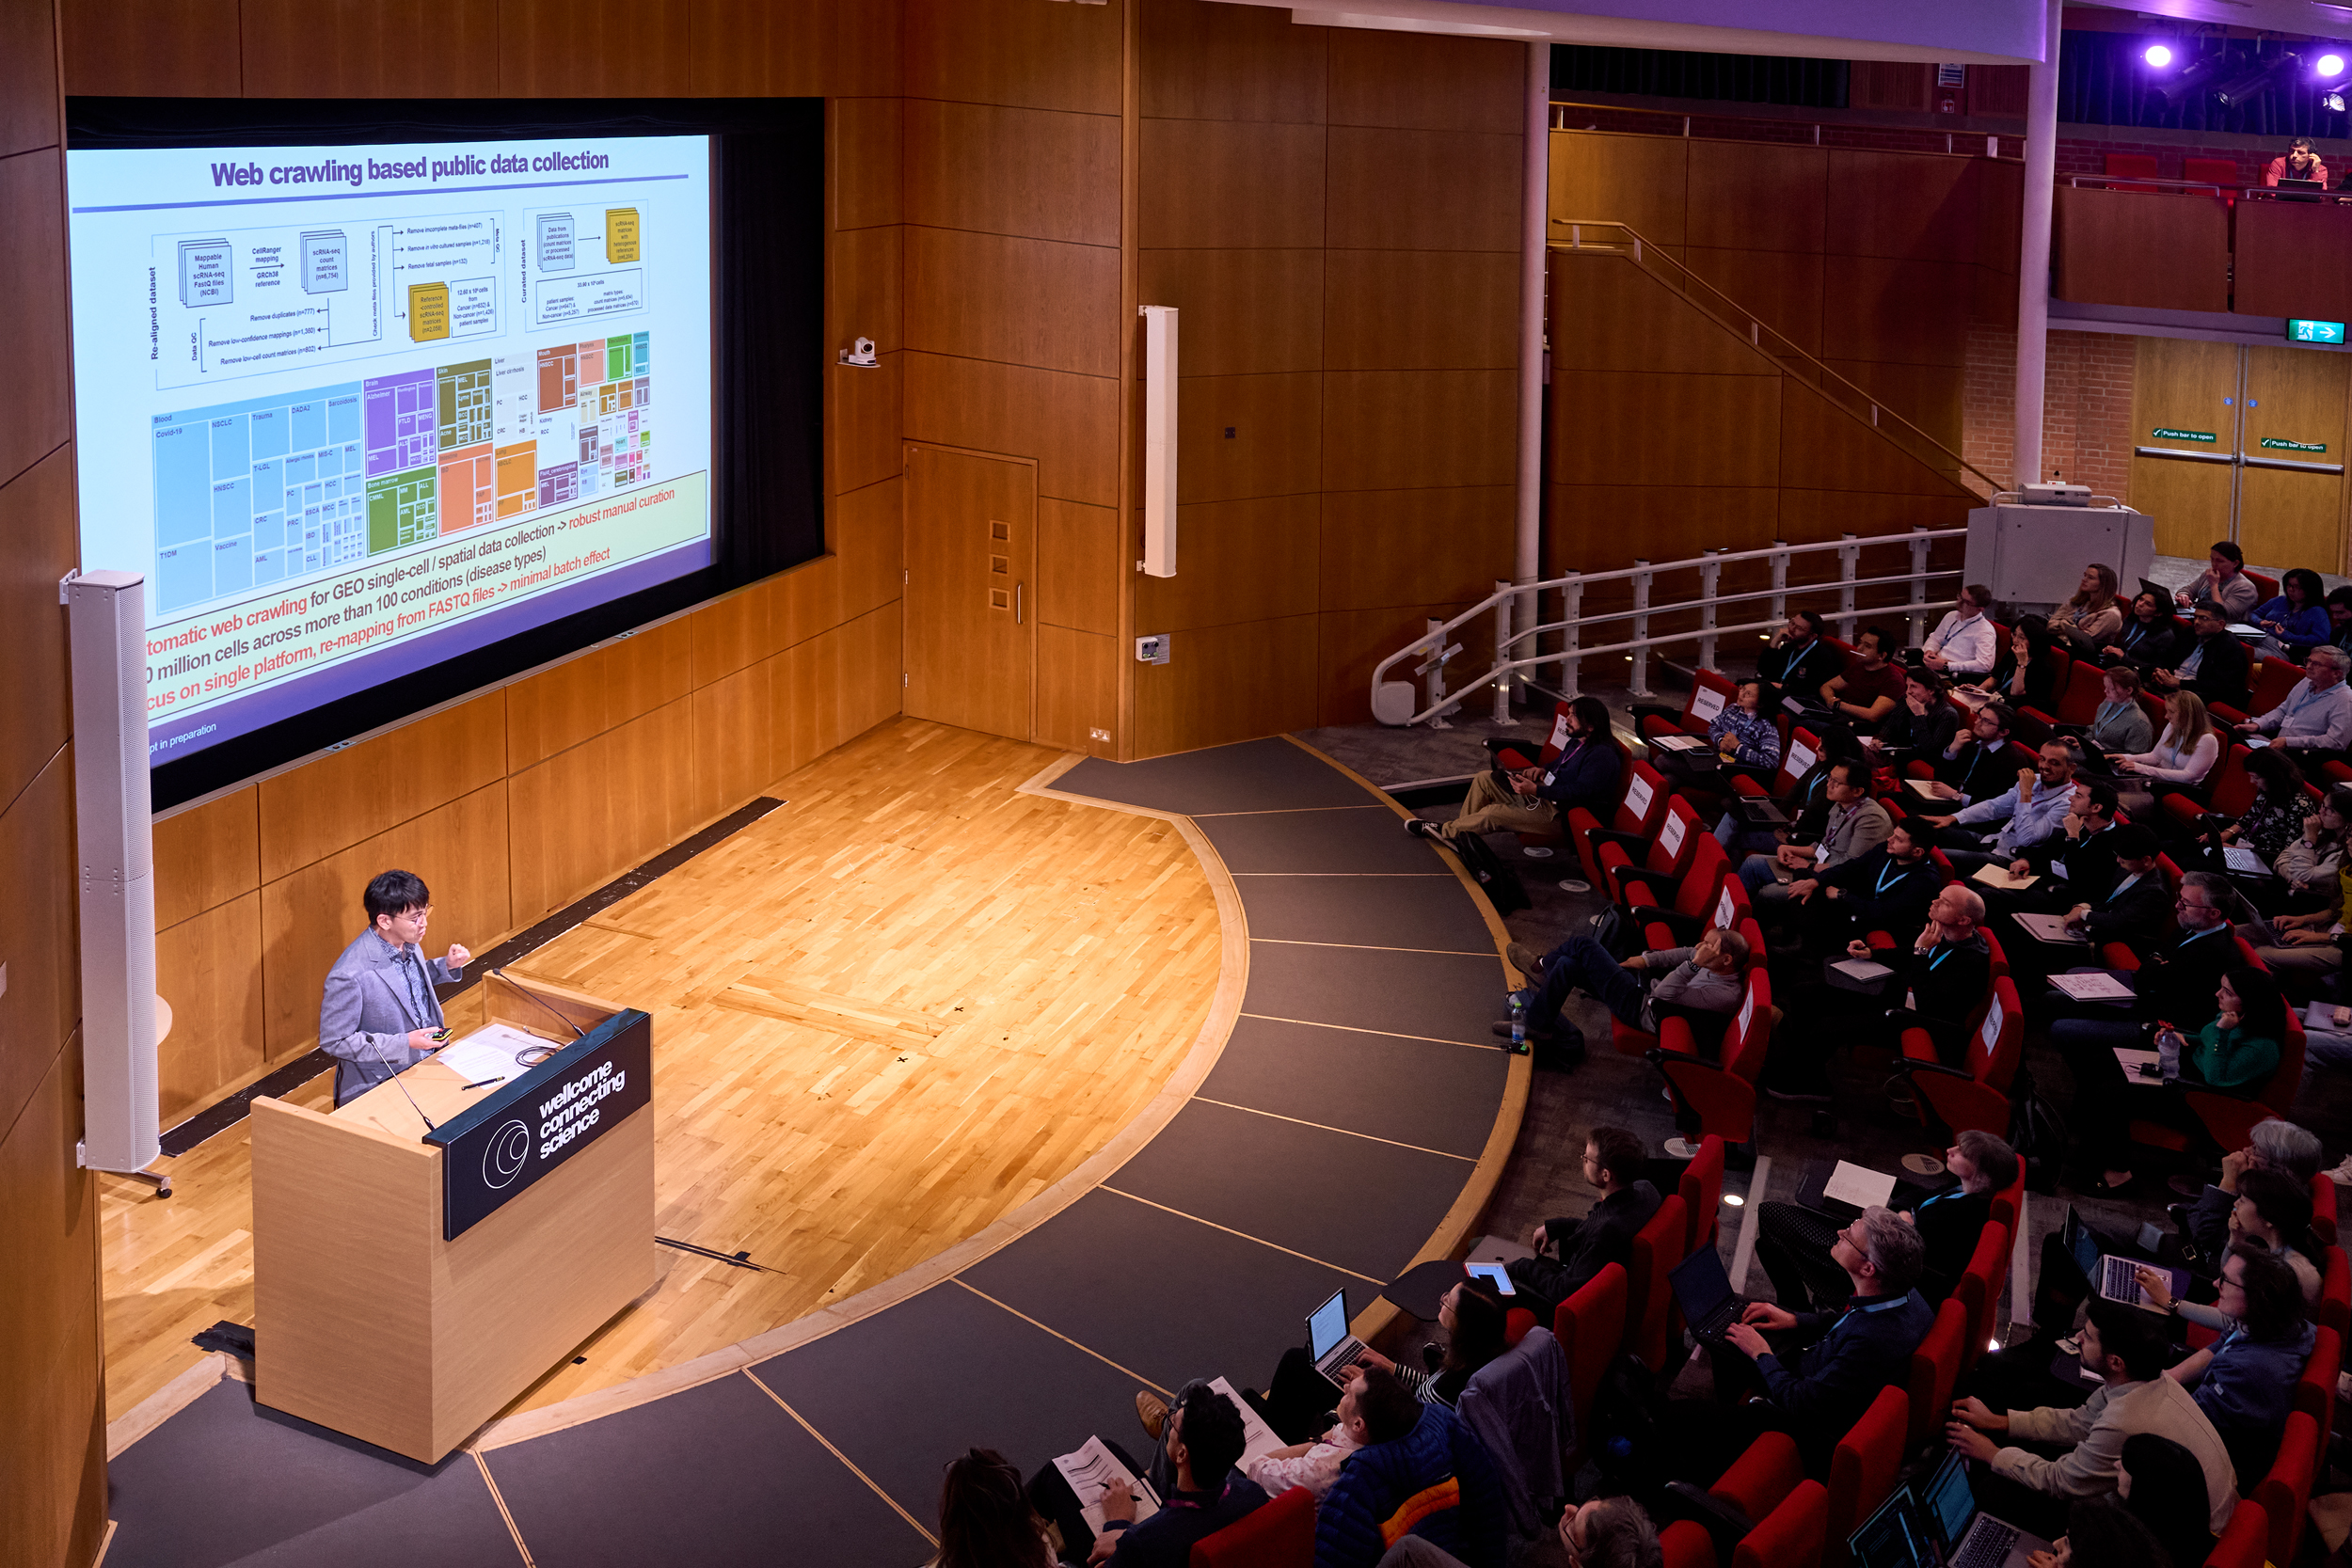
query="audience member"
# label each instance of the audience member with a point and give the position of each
(2316, 715)
(2340, 617)
(1805, 805)
(2177, 982)
(2275, 819)
(2307, 952)
(2245, 1380)
(1818, 1371)
(1974, 765)
(985, 1520)
(1797, 1244)
(1315, 1463)
(1700, 983)
(1963, 642)
(2216, 668)
(1943, 973)
(2103, 1532)
(1743, 735)
(2184, 753)
(2297, 616)
(1193, 1471)
(2032, 810)
(1614, 1158)
(2298, 163)
(1853, 825)
(2163, 1485)
(1797, 660)
(1610, 1532)
(2271, 1207)
(1887, 890)
(1922, 725)
(2119, 727)
(2076, 863)
(2122, 1346)
(2025, 675)
(2135, 906)
(2153, 637)
(2093, 617)
(1538, 799)
(1423, 1472)
(2273, 1144)
(2223, 581)
(2238, 1047)
(1474, 1321)
(2312, 864)
(1869, 690)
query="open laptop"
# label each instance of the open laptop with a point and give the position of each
(1967, 1536)
(1336, 1350)
(2113, 1277)
(1704, 1293)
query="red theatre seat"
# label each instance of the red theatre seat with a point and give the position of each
(1280, 1535)
(1702, 1191)
(1761, 1479)
(1790, 1536)
(1934, 1370)
(1590, 1326)
(1862, 1471)
(1658, 1246)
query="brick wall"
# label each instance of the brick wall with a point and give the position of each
(2086, 407)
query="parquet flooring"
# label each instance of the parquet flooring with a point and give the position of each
(885, 1016)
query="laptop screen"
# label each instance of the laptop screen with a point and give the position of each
(1700, 1285)
(2081, 1243)
(1891, 1538)
(1947, 1501)
(1328, 1325)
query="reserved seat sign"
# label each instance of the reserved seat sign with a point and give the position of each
(509, 1140)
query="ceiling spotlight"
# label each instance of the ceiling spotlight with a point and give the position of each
(2332, 101)
(2330, 65)
(2250, 84)
(2183, 86)
(2156, 56)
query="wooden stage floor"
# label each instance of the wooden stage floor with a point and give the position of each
(886, 1015)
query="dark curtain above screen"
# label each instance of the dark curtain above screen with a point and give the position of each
(1671, 73)
(2103, 82)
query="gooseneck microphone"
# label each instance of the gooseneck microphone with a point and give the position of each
(537, 1053)
(430, 1125)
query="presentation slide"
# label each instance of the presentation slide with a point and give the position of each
(358, 410)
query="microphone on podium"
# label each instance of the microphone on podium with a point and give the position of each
(538, 1054)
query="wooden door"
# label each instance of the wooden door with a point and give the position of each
(971, 549)
(2291, 499)
(2189, 387)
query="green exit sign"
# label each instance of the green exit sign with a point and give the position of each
(2315, 332)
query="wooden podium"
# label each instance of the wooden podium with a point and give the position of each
(373, 1317)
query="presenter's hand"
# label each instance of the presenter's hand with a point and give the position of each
(458, 957)
(421, 1040)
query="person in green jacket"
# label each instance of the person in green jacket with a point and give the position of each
(2238, 1050)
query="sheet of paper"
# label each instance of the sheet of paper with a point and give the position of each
(1859, 1185)
(2130, 1061)
(1258, 1438)
(2254, 742)
(2092, 988)
(1925, 787)
(2237, 857)
(2051, 929)
(1862, 971)
(1677, 743)
(475, 1060)
(1093, 1470)
(1997, 875)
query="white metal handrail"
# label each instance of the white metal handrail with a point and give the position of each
(1434, 648)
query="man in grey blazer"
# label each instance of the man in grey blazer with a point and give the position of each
(379, 1013)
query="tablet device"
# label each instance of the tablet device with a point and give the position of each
(1494, 1274)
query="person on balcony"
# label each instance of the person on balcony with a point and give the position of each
(1964, 642)
(2300, 162)
(2224, 581)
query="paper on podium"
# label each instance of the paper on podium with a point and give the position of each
(489, 1052)
(1258, 1439)
(1093, 1470)
(1859, 1185)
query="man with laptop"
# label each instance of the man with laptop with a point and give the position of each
(2125, 1347)
(1818, 1371)
(2299, 166)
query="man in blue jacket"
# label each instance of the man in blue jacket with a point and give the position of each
(1818, 1372)
(1422, 1474)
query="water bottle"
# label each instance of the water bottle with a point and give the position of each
(1518, 1023)
(2169, 1054)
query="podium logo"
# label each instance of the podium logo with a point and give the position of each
(509, 1151)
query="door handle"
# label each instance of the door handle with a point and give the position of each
(1016, 602)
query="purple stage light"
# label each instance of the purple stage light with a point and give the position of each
(2158, 56)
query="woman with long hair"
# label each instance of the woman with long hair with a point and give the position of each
(2153, 637)
(2186, 750)
(2025, 675)
(2275, 819)
(2297, 615)
(2238, 1049)
(2245, 1380)
(985, 1520)
(2093, 617)
(1474, 1320)
(2119, 727)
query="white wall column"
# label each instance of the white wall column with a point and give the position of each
(2033, 248)
(1534, 228)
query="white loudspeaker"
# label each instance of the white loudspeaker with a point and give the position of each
(1159, 440)
(113, 827)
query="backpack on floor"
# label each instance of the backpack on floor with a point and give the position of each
(1502, 885)
(1619, 932)
(2038, 1132)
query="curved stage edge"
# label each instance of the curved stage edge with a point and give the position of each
(1341, 1115)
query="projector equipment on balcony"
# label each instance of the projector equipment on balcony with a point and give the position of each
(2055, 494)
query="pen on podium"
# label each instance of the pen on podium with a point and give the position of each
(485, 1084)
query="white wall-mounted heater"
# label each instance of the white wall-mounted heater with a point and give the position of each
(1159, 440)
(113, 832)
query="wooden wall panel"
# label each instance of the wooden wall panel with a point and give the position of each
(36, 411)
(751, 49)
(35, 703)
(1408, 429)
(205, 968)
(1033, 172)
(1621, 428)
(1642, 180)
(1243, 312)
(592, 48)
(1025, 302)
(865, 293)
(1228, 683)
(731, 632)
(1239, 561)
(869, 160)
(1212, 184)
(1396, 79)
(1897, 204)
(1208, 61)
(2293, 258)
(152, 48)
(1601, 528)
(1911, 313)
(206, 856)
(2000, 208)
(1752, 196)
(1927, 395)
(1013, 52)
(36, 931)
(867, 49)
(1822, 448)
(1421, 311)
(341, 798)
(1782, 288)
(734, 739)
(581, 818)
(1827, 514)
(1078, 567)
(1606, 314)
(460, 849)
(1424, 190)
(2131, 247)
(862, 413)
(1349, 644)
(370, 48)
(1276, 426)
(1068, 422)
(1077, 689)
(1387, 548)
(29, 78)
(52, 1490)
(869, 536)
(867, 686)
(602, 690)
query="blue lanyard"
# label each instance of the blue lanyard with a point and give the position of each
(1939, 957)
(1895, 866)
